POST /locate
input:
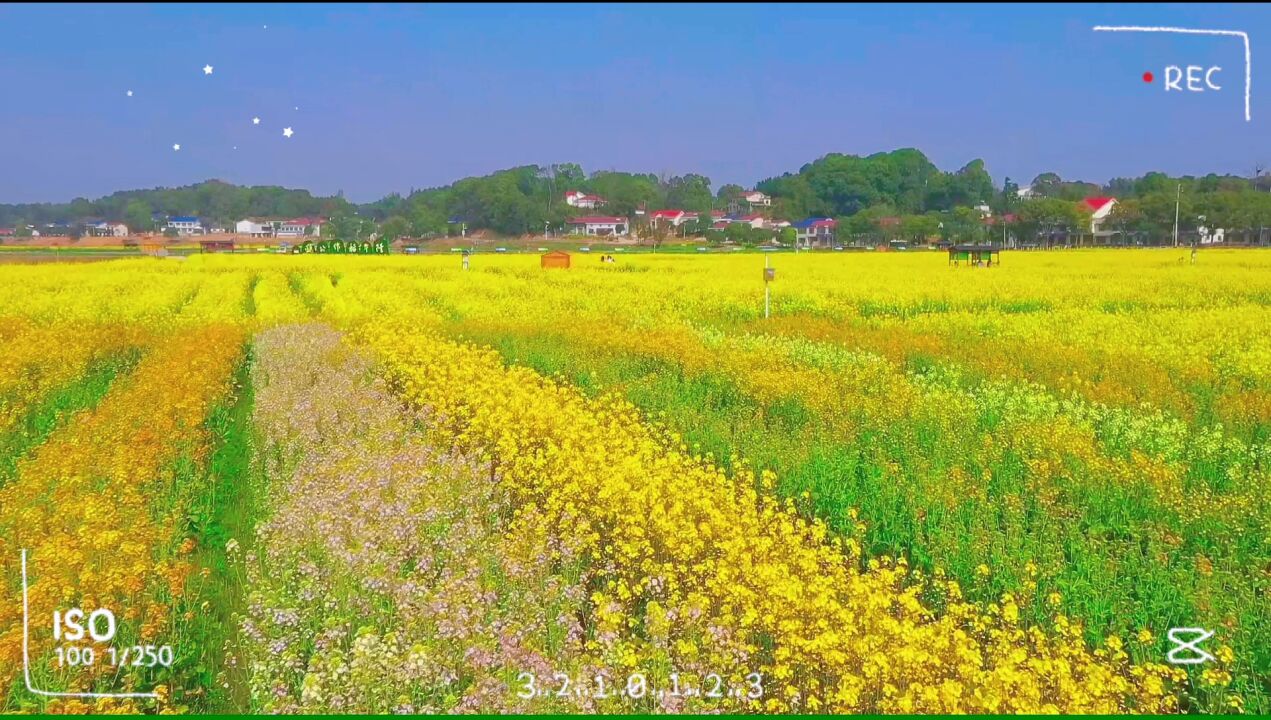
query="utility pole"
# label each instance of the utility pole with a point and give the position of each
(1177, 197)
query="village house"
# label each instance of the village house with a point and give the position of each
(274, 228)
(579, 199)
(185, 225)
(1099, 209)
(255, 227)
(598, 225)
(748, 200)
(105, 229)
(815, 232)
(674, 217)
(300, 227)
(754, 220)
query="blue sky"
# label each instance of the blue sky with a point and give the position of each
(392, 97)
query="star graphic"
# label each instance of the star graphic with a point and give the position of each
(286, 132)
(129, 93)
(207, 69)
(176, 146)
(297, 107)
(255, 121)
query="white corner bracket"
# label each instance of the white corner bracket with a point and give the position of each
(26, 655)
(1195, 31)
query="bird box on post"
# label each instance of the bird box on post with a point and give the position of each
(769, 274)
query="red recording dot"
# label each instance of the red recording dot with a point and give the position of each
(1147, 77)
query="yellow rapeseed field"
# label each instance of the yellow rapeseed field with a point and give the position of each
(389, 484)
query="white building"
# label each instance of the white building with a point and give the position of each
(300, 227)
(599, 225)
(674, 217)
(1100, 208)
(185, 225)
(105, 229)
(579, 199)
(748, 200)
(815, 232)
(255, 227)
(269, 228)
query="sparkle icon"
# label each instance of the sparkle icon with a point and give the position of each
(176, 146)
(255, 121)
(207, 69)
(129, 93)
(286, 132)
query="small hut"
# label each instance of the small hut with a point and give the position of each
(555, 259)
(216, 246)
(974, 255)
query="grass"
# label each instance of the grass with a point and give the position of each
(227, 509)
(1102, 552)
(42, 419)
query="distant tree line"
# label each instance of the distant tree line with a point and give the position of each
(899, 195)
(531, 199)
(218, 203)
(902, 196)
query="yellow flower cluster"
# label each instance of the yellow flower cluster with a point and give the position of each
(41, 359)
(706, 570)
(96, 506)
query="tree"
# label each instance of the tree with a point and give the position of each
(965, 224)
(690, 192)
(170, 232)
(656, 234)
(394, 228)
(972, 185)
(788, 236)
(22, 230)
(1159, 210)
(1047, 184)
(1049, 218)
(1126, 218)
(1009, 197)
(729, 191)
(138, 216)
(917, 228)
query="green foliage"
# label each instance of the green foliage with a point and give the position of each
(138, 216)
(690, 192)
(1045, 216)
(904, 179)
(395, 227)
(215, 201)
